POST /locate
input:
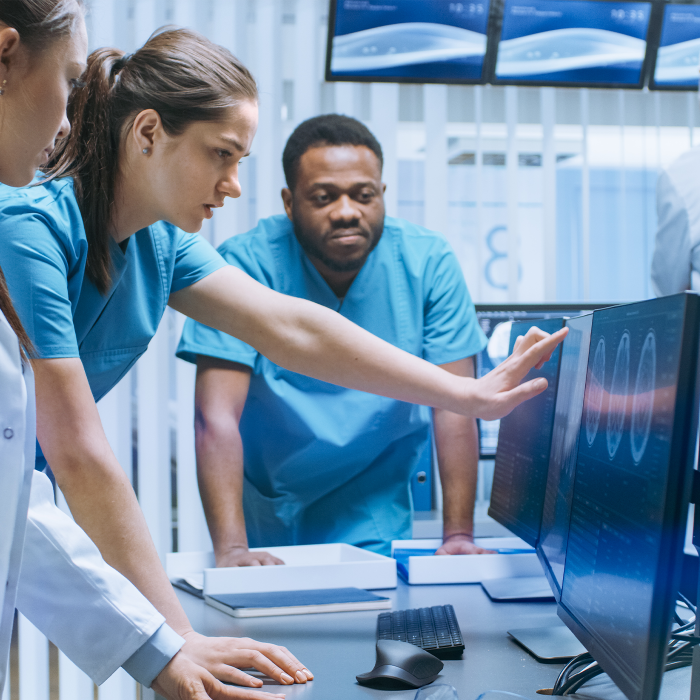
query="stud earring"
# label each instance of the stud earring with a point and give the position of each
(2, 89)
(145, 151)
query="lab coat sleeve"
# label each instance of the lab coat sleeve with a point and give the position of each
(86, 608)
(671, 264)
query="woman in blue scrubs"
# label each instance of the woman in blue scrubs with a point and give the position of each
(100, 249)
(63, 586)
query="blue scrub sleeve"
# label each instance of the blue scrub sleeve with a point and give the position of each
(195, 259)
(198, 339)
(451, 330)
(146, 663)
(36, 264)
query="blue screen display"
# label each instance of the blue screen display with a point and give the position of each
(573, 41)
(524, 440)
(419, 39)
(564, 451)
(622, 476)
(679, 49)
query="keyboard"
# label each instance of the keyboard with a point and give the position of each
(434, 629)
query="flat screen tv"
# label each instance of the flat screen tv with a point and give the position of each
(575, 43)
(422, 41)
(678, 55)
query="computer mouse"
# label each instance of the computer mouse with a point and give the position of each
(401, 665)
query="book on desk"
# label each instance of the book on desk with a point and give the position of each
(324, 600)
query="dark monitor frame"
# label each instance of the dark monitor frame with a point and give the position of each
(675, 514)
(656, 12)
(533, 308)
(541, 555)
(653, 45)
(486, 70)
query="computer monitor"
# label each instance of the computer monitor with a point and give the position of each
(522, 456)
(551, 546)
(678, 55)
(422, 41)
(632, 486)
(573, 43)
(495, 320)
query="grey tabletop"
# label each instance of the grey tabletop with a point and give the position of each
(338, 646)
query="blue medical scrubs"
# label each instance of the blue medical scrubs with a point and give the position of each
(323, 463)
(44, 260)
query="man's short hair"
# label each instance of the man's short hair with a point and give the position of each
(325, 130)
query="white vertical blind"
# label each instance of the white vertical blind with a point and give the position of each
(154, 475)
(384, 122)
(268, 143)
(119, 686)
(436, 186)
(72, 682)
(33, 662)
(549, 188)
(512, 192)
(585, 265)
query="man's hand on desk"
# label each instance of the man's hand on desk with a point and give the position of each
(460, 544)
(223, 657)
(242, 556)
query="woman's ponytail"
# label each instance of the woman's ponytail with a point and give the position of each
(92, 149)
(178, 73)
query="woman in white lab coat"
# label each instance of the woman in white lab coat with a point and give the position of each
(49, 568)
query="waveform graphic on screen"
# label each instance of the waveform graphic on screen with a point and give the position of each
(566, 50)
(573, 41)
(402, 45)
(679, 49)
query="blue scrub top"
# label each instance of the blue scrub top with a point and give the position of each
(323, 463)
(44, 257)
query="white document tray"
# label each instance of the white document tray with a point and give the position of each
(306, 567)
(469, 568)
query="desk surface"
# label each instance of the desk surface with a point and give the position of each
(338, 646)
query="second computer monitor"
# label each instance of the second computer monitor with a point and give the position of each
(632, 486)
(522, 457)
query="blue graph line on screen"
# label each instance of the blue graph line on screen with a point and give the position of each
(497, 256)
(594, 399)
(619, 393)
(643, 402)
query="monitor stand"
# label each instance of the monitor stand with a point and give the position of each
(549, 645)
(518, 589)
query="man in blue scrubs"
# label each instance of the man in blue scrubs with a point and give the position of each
(284, 459)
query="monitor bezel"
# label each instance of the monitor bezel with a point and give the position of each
(491, 49)
(543, 559)
(675, 514)
(653, 52)
(494, 80)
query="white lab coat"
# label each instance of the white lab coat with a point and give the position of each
(676, 263)
(65, 588)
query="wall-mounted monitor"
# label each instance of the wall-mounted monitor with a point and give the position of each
(423, 41)
(678, 55)
(576, 43)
